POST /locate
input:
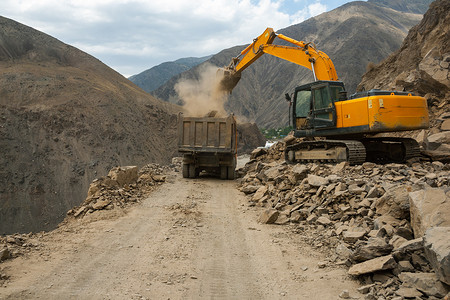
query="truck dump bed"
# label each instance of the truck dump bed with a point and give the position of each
(207, 134)
(208, 144)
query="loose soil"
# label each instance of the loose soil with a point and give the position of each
(191, 239)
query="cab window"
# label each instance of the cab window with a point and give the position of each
(322, 98)
(303, 104)
(335, 90)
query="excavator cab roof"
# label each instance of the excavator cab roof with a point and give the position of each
(310, 85)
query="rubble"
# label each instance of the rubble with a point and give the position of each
(363, 216)
(430, 207)
(14, 245)
(437, 251)
(376, 264)
(426, 283)
(121, 187)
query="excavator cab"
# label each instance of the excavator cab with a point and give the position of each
(314, 105)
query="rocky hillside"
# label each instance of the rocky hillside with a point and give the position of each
(66, 118)
(411, 6)
(153, 78)
(353, 35)
(421, 65)
(422, 62)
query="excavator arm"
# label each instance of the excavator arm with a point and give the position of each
(301, 53)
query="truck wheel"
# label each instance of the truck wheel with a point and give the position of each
(185, 170)
(231, 173)
(223, 172)
(192, 171)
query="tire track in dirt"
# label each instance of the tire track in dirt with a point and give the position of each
(191, 239)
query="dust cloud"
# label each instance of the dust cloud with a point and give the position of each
(202, 95)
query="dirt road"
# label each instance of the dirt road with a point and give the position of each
(191, 239)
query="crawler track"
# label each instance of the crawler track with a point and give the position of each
(380, 150)
(391, 149)
(356, 152)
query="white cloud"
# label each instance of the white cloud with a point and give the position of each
(133, 35)
(309, 11)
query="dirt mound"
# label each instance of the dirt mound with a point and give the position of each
(122, 186)
(65, 119)
(249, 137)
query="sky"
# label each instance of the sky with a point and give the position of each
(131, 36)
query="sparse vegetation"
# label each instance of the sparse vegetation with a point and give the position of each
(276, 133)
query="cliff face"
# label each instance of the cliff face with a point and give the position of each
(422, 62)
(421, 65)
(65, 119)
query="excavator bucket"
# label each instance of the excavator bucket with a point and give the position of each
(227, 79)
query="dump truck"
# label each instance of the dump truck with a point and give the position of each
(208, 144)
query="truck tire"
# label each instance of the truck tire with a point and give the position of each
(185, 170)
(192, 171)
(231, 173)
(223, 172)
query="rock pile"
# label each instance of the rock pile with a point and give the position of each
(122, 186)
(389, 223)
(435, 142)
(14, 245)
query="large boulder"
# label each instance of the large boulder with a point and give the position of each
(124, 175)
(394, 203)
(317, 181)
(437, 251)
(374, 247)
(269, 216)
(437, 139)
(427, 283)
(377, 264)
(429, 207)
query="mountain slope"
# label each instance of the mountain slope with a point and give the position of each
(352, 35)
(65, 119)
(421, 65)
(153, 78)
(411, 6)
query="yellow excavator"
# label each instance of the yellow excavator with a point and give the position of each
(345, 125)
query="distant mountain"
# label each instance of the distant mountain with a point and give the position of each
(153, 78)
(353, 35)
(411, 6)
(65, 119)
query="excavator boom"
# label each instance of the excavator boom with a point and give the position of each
(301, 53)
